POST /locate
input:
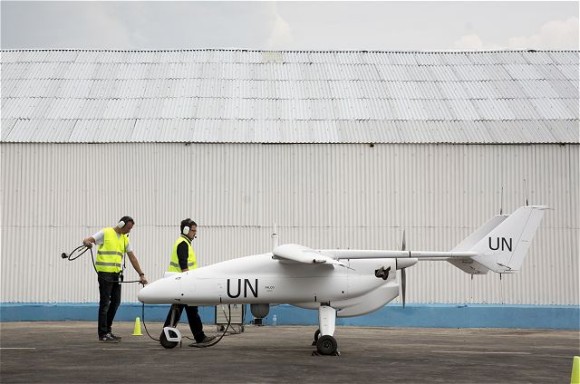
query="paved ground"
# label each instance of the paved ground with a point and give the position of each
(69, 352)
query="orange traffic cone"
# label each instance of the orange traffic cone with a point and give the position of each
(137, 329)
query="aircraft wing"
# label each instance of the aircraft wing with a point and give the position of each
(294, 253)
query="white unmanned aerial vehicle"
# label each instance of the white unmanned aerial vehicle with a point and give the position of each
(339, 283)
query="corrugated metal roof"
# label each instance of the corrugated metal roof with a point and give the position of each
(290, 96)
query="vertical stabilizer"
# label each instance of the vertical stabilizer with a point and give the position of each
(480, 233)
(504, 248)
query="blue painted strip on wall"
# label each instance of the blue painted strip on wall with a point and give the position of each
(415, 315)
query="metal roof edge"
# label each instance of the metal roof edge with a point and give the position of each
(427, 142)
(445, 51)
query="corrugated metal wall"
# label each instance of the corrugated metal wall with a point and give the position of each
(327, 196)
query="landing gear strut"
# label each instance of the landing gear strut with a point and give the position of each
(170, 336)
(316, 336)
(325, 343)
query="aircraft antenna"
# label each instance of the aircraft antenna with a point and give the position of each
(527, 192)
(274, 236)
(501, 201)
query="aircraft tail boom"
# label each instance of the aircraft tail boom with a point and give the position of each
(499, 245)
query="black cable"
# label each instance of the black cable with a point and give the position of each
(81, 250)
(219, 338)
(207, 345)
(76, 253)
(145, 325)
(234, 332)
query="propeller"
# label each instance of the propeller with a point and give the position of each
(403, 285)
(403, 273)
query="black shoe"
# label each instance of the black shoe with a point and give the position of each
(108, 338)
(115, 336)
(206, 340)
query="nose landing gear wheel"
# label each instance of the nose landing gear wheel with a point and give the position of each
(326, 345)
(165, 343)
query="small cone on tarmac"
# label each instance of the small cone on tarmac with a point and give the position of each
(137, 329)
(575, 378)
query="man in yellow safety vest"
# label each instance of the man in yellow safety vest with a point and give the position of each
(182, 260)
(113, 243)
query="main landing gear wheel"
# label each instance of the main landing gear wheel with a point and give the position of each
(326, 345)
(165, 343)
(316, 336)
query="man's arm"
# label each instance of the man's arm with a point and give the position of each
(97, 238)
(182, 256)
(137, 267)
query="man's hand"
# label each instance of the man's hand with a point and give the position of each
(143, 280)
(87, 243)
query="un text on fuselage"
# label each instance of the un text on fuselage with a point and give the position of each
(234, 289)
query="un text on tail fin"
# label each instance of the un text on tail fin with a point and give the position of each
(504, 248)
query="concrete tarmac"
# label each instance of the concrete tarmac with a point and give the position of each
(69, 352)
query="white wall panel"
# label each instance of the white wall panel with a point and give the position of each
(323, 196)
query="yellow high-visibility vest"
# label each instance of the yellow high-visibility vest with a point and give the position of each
(110, 253)
(191, 260)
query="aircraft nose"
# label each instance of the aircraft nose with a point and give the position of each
(163, 291)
